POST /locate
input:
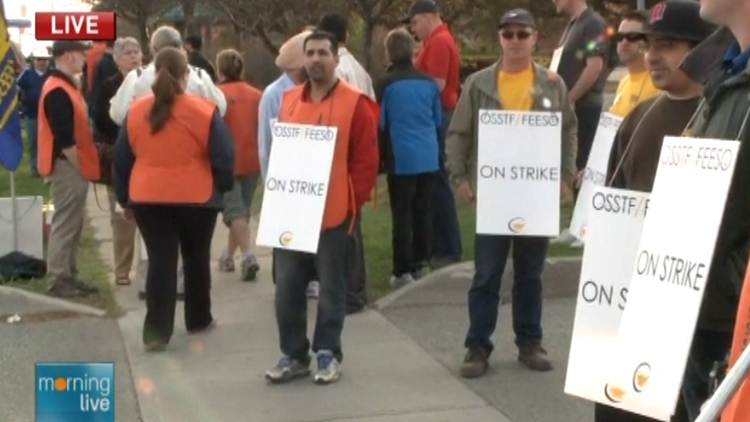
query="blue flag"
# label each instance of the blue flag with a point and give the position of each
(11, 143)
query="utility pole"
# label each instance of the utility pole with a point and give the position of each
(641, 4)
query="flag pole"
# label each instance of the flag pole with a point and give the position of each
(727, 389)
(14, 212)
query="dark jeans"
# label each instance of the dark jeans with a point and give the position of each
(168, 231)
(490, 256)
(446, 233)
(588, 121)
(293, 271)
(32, 133)
(411, 216)
(356, 292)
(707, 348)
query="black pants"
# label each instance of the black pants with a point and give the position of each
(588, 122)
(167, 231)
(411, 215)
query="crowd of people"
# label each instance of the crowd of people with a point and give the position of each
(186, 141)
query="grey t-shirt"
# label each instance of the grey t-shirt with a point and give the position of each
(586, 36)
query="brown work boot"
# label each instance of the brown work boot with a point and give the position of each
(475, 363)
(534, 357)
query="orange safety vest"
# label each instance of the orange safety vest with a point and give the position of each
(171, 166)
(241, 117)
(738, 409)
(88, 158)
(335, 110)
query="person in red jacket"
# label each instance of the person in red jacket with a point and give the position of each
(243, 102)
(325, 100)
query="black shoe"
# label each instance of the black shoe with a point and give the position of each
(85, 288)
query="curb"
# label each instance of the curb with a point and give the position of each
(391, 297)
(70, 306)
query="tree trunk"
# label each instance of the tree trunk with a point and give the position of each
(261, 33)
(368, 35)
(141, 23)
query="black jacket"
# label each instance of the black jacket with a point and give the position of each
(725, 114)
(199, 60)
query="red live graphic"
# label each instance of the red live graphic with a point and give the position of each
(96, 26)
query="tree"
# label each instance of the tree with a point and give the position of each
(268, 18)
(136, 12)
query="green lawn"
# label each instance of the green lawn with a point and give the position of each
(376, 231)
(90, 265)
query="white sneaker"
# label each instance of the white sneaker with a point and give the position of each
(313, 289)
(566, 238)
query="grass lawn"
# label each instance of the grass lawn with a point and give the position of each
(376, 231)
(90, 265)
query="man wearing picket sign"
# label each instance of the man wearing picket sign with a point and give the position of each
(671, 31)
(309, 113)
(724, 114)
(539, 132)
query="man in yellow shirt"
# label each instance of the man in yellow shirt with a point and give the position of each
(636, 86)
(513, 83)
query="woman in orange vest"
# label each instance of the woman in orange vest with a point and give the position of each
(241, 116)
(173, 160)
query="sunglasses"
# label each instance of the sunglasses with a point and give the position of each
(521, 35)
(629, 36)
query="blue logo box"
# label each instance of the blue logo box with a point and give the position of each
(75, 392)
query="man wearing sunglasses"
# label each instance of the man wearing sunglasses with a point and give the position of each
(673, 29)
(513, 83)
(636, 86)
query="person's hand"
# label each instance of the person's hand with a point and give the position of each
(465, 193)
(579, 179)
(127, 214)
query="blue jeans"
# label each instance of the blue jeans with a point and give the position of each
(32, 136)
(490, 255)
(707, 348)
(446, 233)
(293, 270)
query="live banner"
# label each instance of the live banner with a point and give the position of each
(671, 267)
(738, 409)
(296, 186)
(518, 173)
(595, 173)
(616, 219)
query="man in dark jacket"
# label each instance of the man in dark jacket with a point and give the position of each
(30, 83)
(724, 114)
(193, 45)
(104, 69)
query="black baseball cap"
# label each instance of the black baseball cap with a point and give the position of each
(419, 7)
(64, 46)
(678, 19)
(517, 16)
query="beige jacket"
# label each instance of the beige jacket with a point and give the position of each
(480, 92)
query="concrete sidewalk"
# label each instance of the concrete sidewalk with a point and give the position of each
(433, 312)
(218, 376)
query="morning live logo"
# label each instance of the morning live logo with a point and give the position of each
(75, 392)
(96, 26)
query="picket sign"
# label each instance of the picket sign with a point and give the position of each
(616, 219)
(518, 173)
(595, 173)
(296, 186)
(671, 267)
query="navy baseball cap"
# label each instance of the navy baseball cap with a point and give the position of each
(517, 16)
(419, 7)
(678, 19)
(63, 46)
